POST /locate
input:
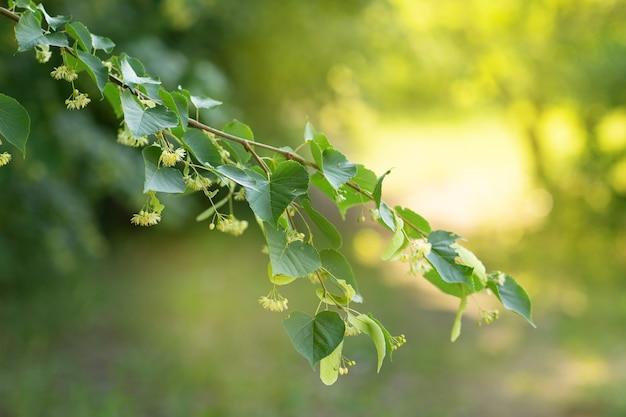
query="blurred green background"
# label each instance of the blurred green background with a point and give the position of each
(504, 121)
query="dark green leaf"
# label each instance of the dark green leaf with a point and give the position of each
(202, 148)
(513, 297)
(443, 258)
(29, 34)
(148, 121)
(456, 290)
(96, 70)
(112, 94)
(293, 259)
(243, 131)
(14, 122)
(338, 266)
(326, 227)
(166, 180)
(81, 34)
(315, 337)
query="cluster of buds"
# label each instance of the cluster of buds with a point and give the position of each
(397, 341)
(488, 316)
(415, 256)
(345, 363)
(273, 301)
(230, 224)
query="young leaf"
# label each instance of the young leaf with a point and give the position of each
(14, 122)
(326, 227)
(102, 43)
(294, 259)
(443, 258)
(412, 221)
(29, 34)
(329, 366)
(386, 215)
(55, 21)
(177, 103)
(148, 121)
(365, 324)
(315, 337)
(309, 132)
(134, 72)
(468, 258)
(397, 241)
(336, 168)
(204, 102)
(166, 180)
(513, 297)
(202, 148)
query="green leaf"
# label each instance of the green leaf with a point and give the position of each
(133, 71)
(513, 297)
(370, 327)
(14, 122)
(204, 102)
(309, 132)
(177, 103)
(55, 21)
(268, 199)
(329, 366)
(443, 258)
(96, 70)
(396, 243)
(338, 267)
(202, 148)
(386, 215)
(336, 168)
(412, 221)
(468, 258)
(29, 34)
(456, 327)
(328, 229)
(243, 131)
(166, 180)
(102, 43)
(148, 121)
(81, 34)
(315, 337)
(454, 289)
(293, 259)
(364, 178)
(112, 94)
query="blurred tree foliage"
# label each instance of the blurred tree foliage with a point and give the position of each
(555, 66)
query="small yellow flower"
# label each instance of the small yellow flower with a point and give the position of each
(5, 158)
(145, 218)
(273, 301)
(64, 73)
(197, 182)
(77, 100)
(169, 158)
(232, 225)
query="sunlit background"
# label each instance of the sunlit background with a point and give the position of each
(504, 121)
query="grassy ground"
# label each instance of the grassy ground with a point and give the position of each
(172, 328)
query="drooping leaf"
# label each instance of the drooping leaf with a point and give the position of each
(336, 168)
(386, 215)
(14, 122)
(338, 267)
(159, 179)
(81, 34)
(95, 68)
(202, 148)
(329, 366)
(54, 21)
(397, 241)
(328, 229)
(102, 43)
(148, 121)
(513, 297)
(268, 199)
(370, 327)
(293, 259)
(443, 258)
(29, 34)
(315, 337)
(133, 71)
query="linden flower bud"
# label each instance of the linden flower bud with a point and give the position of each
(5, 158)
(145, 218)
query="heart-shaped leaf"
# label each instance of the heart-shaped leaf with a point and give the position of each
(293, 259)
(142, 122)
(315, 337)
(14, 122)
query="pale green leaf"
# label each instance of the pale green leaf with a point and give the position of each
(370, 327)
(338, 267)
(413, 222)
(14, 122)
(397, 241)
(54, 21)
(102, 43)
(329, 366)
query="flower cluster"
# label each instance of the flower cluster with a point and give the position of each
(274, 301)
(145, 218)
(77, 100)
(126, 138)
(230, 224)
(64, 73)
(169, 157)
(197, 182)
(415, 256)
(5, 158)
(42, 53)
